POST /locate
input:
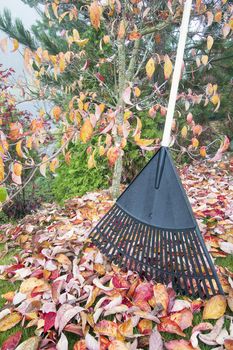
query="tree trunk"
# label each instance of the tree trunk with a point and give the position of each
(124, 77)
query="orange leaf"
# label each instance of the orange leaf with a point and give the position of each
(197, 129)
(56, 112)
(17, 169)
(80, 345)
(167, 67)
(112, 155)
(150, 68)
(95, 11)
(86, 131)
(105, 327)
(203, 151)
(218, 16)
(145, 327)
(161, 296)
(215, 307)
(134, 35)
(121, 30)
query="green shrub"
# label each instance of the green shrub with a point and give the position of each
(76, 179)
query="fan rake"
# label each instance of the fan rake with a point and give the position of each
(153, 231)
(151, 228)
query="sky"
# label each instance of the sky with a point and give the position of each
(28, 16)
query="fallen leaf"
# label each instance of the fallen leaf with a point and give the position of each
(215, 307)
(179, 345)
(12, 341)
(30, 344)
(9, 321)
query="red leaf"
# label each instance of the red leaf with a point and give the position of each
(120, 282)
(12, 342)
(144, 292)
(49, 320)
(170, 326)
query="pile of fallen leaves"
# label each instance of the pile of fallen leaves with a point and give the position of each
(68, 287)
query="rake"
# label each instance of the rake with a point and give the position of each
(151, 228)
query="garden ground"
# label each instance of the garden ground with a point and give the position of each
(60, 292)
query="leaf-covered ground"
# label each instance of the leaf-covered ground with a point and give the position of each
(59, 292)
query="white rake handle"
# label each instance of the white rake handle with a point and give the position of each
(176, 74)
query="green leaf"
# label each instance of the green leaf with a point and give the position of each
(3, 194)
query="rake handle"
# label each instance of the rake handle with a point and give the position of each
(176, 74)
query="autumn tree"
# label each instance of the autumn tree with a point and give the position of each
(103, 62)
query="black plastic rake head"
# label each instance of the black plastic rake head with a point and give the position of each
(151, 229)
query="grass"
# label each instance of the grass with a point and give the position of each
(225, 262)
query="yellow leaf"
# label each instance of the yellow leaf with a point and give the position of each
(167, 67)
(2, 173)
(215, 99)
(55, 8)
(9, 321)
(126, 328)
(150, 68)
(76, 35)
(53, 165)
(204, 59)
(137, 91)
(143, 142)
(101, 150)
(30, 284)
(215, 307)
(86, 131)
(62, 64)
(95, 11)
(195, 142)
(91, 161)
(82, 42)
(184, 132)
(210, 42)
(15, 45)
(19, 149)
